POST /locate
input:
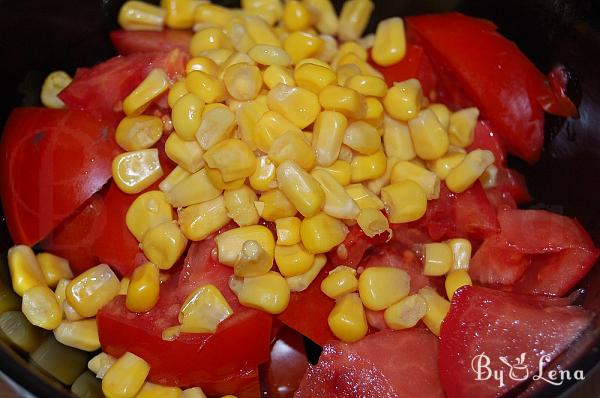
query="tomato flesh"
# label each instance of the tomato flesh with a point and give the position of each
(139, 41)
(288, 364)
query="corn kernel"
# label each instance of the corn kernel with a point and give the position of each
(164, 244)
(354, 18)
(404, 201)
(54, 268)
(125, 377)
(429, 181)
(302, 190)
(186, 154)
(406, 313)
(288, 231)
(428, 135)
(156, 83)
(375, 114)
(344, 100)
(265, 54)
(350, 47)
(292, 146)
(203, 310)
(143, 289)
(180, 13)
(264, 177)
(295, 16)
(397, 141)
(208, 39)
(139, 15)
(151, 390)
(461, 130)
(270, 126)
(100, 364)
(293, 259)
(186, 116)
(347, 319)
(147, 210)
(442, 113)
(202, 64)
(217, 125)
(92, 289)
(41, 307)
(338, 203)
(354, 59)
(364, 197)
(403, 100)
(275, 205)
(216, 178)
(329, 48)
(438, 259)
(253, 260)
(200, 220)
(248, 115)
(300, 45)
(219, 57)
(368, 167)
(376, 184)
(195, 392)
(362, 137)
(346, 154)
(390, 42)
(208, 88)
(240, 205)
(233, 158)
(238, 35)
(340, 170)
(324, 14)
(373, 222)
(314, 77)
(461, 254)
(367, 85)
(269, 10)
(437, 309)
(380, 287)
(54, 83)
(268, 292)
(196, 188)
(455, 280)
(261, 32)
(243, 81)
(328, 135)
(321, 233)
(139, 132)
(82, 335)
(296, 104)
(276, 74)
(444, 165)
(212, 13)
(230, 243)
(61, 290)
(489, 178)
(469, 170)
(345, 72)
(301, 282)
(124, 286)
(340, 281)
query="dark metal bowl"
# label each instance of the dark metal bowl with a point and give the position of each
(37, 37)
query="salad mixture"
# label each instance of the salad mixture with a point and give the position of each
(238, 183)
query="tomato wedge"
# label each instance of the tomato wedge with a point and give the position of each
(288, 364)
(53, 160)
(504, 327)
(139, 41)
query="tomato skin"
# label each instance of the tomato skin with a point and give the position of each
(53, 160)
(138, 41)
(555, 100)
(288, 364)
(485, 138)
(355, 246)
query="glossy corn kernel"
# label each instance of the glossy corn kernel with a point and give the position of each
(455, 280)
(437, 309)
(196, 188)
(370, 86)
(362, 137)
(338, 203)
(269, 292)
(428, 136)
(151, 390)
(345, 72)
(143, 289)
(186, 115)
(248, 115)
(321, 233)
(328, 135)
(54, 268)
(208, 88)
(461, 131)
(397, 140)
(212, 13)
(443, 114)
(240, 205)
(324, 15)
(177, 175)
(444, 165)
(180, 13)
(217, 125)
(438, 259)
(177, 90)
(92, 289)
(233, 158)
(314, 77)
(125, 377)
(216, 178)
(300, 45)
(164, 244)
(202, 64)
(230, 243)
(302, 190)
(243, 81)
(136, 170)
(404, 201)
(264, 177)
(70, 313)
(203, 310)
(403, 100)
(200, 220)
(344, 100)
(364, 197)
(301, 282)
(82, 335)
(186, 154)
(265, 54)
(372, 222)
(429, 181)
(364, 67)
(340, 170)
(375, 113)
(350, 47)
(54, 83)
(288, 231)
(260, 31)
(238, 35)
(139, 132)
(380, 287)
(469, 170)
(376, 184)
(347, 320)
(208, 39)
(296, 104)
(293, 259)
(368, 167)
(296, 16)
(195, 392)
(270, 126)
(274, 204)
(147, 211)
(390, 42)
(354, 18)
(276, 74)
(461, 253)
(291, 146)
(156, 83)
(340, 281)
(139, 15)
(406, 313)
(253, 260)
(101, 363)
(124, 286)
(41, 307)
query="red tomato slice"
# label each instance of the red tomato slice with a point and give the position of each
(399, 364)
(518, 328)
(496, 263)
(288, 364)
(354, 247)
(478, 66)
(53, 160)
(485, 138)
(138, 41)
(556, 101)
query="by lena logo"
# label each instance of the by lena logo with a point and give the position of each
(518, 370)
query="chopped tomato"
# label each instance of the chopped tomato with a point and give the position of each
(557, 102)
(139, 41)
(288, 364)
(504, 327)
(496, 263)
(399, 364)
(354, 247)
(53, 160)
(485, 138)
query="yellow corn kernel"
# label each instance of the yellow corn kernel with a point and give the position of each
(82, 335)
(164, 244)
(143, 289)
(41, 308)
(180, 13)
(264, 177)
(61, 290)
(216, 178)
(238, 35)
(54, 268)
(276, 74)
(347, 320)
(196, 188)
(229, 243)
(208, 88)
(269, 10)
(354, 18)
(345, 72)
(139, 132)
(461, 130)
(376, 184)
(353, 59)
(233, 158)
(156, 83)
(314, 77)
(292, 146)
(293, 260)
(340, 281)
(296, 104)
(243, 81)
(261, 32)
(349, 47)
(300, 45)
(329, 48)
(469, 170)
(437, 309)
(274, 204)
(367, 167)
(364, 197)
(461, 254)
(296, 16)
(324, 15)
(455, 280)
(177, 90)
(186, 115)
(270, 126)
(371, 86)
(489, 178)
(247, 116)
(240, 205)
(390, 42)
(269, 292)
(373, 222)
(322, 233)
(186, 154)
(397, 141)
(328, 135)
(200, 220)
(54, 83)
(217, 125)
(404, 201)
(362, 137)
(208, 39)
(212, 13)
(429, 181)
(443, 114)
(302, 190)
(100, 364)
(151, 390)
(340, 170)
(147, 210)
(428, 135)
(338, 203)
(380, 287)
(175, 177)
(406, 313)
(344, 100)
(139, 15)
(219, 57)
(444, 165)
(253, 260)
(265, 54)
(125, 377)
(124, 286)
(375, 114)
(202, 64)
(438, 259)
(195, 392)
(403, 100)
(299, 283)
(288, 231)
(203, 310)
(92, 289)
